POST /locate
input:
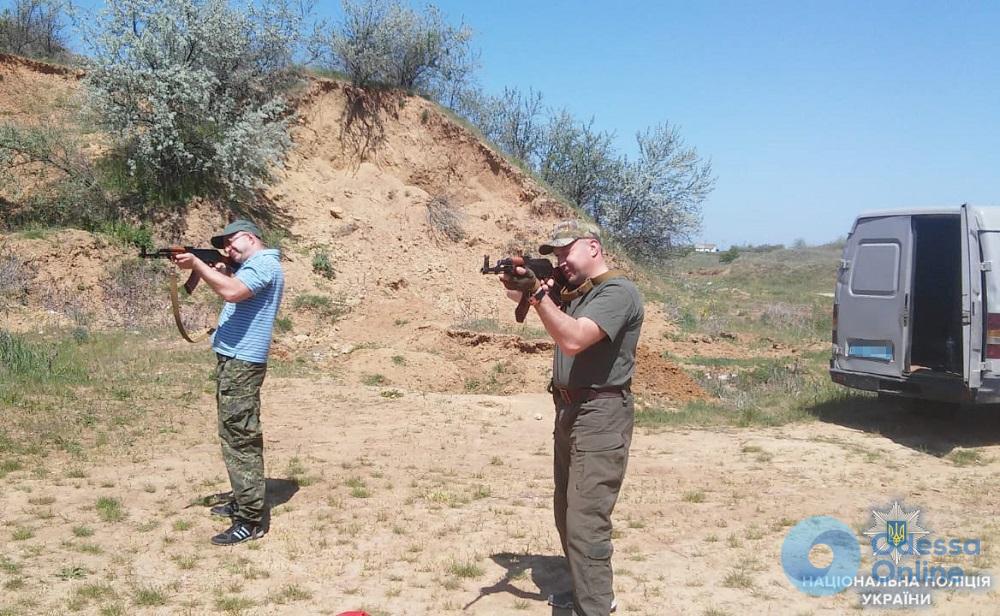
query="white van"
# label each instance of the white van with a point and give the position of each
(917, 307)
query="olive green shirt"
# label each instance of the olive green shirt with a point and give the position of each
(615, 306)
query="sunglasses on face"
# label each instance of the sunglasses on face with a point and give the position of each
(232, 238)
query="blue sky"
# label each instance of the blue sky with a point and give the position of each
(809, 111)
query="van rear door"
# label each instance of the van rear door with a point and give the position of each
(972, 297)
(873, 294)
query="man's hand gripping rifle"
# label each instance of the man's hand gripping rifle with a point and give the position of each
(529, 282)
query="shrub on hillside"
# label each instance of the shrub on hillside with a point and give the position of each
(66, 193)
(513, 121)
(192, 91)
(728, 256)
(649, 205)
(654, 202)
(15, 277)
(383, 42)
(33, 28)
(578, 161)
(322, 265)
(134, 294)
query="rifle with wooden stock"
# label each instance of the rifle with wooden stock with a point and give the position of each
(542, 269)
(211, 256)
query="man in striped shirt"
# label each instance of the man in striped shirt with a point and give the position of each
(241, 343)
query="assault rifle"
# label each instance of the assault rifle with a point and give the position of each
(210, 256)
(541, 267)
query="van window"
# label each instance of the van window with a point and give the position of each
(876, 268)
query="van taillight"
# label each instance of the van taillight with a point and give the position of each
(993, 335)
(835, 307)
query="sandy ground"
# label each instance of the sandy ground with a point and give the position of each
(429, 504)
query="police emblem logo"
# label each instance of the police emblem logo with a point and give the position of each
(895, 531)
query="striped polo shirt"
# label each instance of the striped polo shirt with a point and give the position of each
(244, 330)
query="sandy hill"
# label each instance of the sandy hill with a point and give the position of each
(366, 171)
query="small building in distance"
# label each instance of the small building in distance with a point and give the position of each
(706, 248)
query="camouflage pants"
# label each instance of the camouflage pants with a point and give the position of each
(592, 442)
(238, 397)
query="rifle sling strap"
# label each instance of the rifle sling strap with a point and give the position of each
(175, 305)
(567, 296)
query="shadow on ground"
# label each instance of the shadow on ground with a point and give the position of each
(548, 574)
(931, 427)
(279, 491)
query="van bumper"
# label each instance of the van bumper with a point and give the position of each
(989, 391)
(927, 386)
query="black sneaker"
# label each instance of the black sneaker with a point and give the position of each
(564, 601)
(239, 532)
(226, 510)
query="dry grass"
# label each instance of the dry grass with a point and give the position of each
(444, 219)
(15, 277)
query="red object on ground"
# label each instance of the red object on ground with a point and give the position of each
(353, 614)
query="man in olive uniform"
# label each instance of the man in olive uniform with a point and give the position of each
(596, 331)
(241, 344)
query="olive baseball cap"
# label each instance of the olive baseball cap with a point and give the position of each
(568, 231)
(219, 241)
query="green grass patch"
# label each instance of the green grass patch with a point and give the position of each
(233, 604)
(8, 566)
(373, 379)
(694, 496)
(127, 235)
(696, 413)
(8, 466)
(149, 597)
(467, 570)
(110, 509)
(966, 457)
(95, 592)
(322, 265)
(73, 572)
(779, 295)
(358, 487)
(290, 594)
(110, 380)
(324, 306)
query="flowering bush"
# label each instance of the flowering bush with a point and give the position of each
(192, 90)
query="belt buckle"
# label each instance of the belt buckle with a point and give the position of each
(565, 395)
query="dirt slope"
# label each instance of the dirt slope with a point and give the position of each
(358, 185)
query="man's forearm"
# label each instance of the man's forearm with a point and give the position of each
(225, 286)
(566, 331)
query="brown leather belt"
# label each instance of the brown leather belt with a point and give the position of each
(578, 396)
